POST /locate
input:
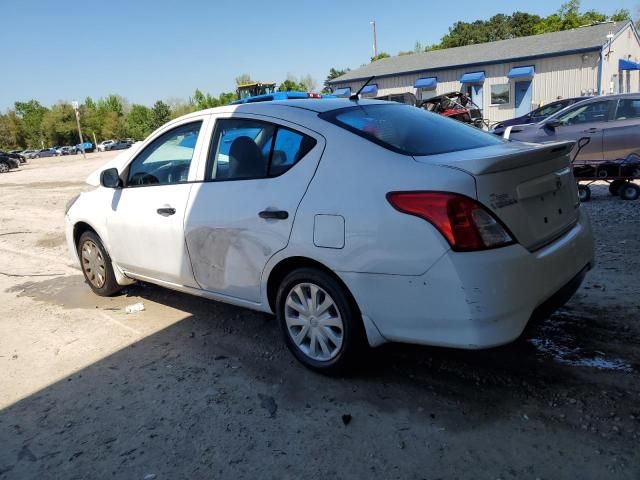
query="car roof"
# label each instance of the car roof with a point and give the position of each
(318, 105)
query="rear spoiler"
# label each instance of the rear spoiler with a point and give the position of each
(522, 158)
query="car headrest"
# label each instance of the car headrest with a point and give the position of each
(245, 159)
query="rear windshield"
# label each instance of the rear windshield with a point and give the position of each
(409, 130)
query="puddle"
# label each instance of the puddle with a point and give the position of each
(68, 292)
(576, 357)
(553, 340)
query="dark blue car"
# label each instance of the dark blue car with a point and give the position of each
(537, 115)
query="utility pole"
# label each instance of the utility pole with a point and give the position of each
(76, 107)
(375, 40)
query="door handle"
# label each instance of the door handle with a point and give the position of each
(274, 214)
(166, 211)
(592, 130)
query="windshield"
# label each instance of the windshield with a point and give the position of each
(409, 130)
(548, 109)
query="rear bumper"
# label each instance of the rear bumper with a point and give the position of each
(476, 299)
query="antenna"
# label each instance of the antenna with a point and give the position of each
(356, 96)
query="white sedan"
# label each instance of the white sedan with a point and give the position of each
(355, 222)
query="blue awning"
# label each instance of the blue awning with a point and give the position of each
(428, 83)
(628, 65)
(342, 92)
(473, 77)
(371, 89)
(521, 72)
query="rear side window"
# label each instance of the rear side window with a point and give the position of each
(243, 149)
(409, 130)
(628, 108)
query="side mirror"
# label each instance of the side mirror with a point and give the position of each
(110, 179)
(553, 123)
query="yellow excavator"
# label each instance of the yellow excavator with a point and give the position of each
(253, 89)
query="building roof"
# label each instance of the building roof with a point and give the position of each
(581, 39)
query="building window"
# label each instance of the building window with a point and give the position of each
(500, 94)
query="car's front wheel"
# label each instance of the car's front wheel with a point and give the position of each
(96, 265)
(4, 167)
(320, 321)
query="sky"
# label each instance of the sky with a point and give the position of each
(148, 50)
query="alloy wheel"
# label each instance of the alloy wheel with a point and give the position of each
(313, 322)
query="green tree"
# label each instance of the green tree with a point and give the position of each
(59, 125)
(379, 56)
(31, 113)
(333, 73)
(139, 122)
(91, 120)
(520, 24)
(11, 131)
(621, 15)
(203, 101)
(160, 114)
(226, 98)
(291, 86)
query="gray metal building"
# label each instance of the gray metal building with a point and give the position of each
(508, 78)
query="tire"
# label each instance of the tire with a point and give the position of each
(4, 167)
(36, 156)
(336, 341)
(614, 187)
(629, 191)
(97, 270)
(584, 192)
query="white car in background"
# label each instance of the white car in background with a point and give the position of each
(354, 222)
(105, 145)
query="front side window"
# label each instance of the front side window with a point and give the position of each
(500, 94)
(409, 130)
(628, 109)
(167, 159)
(589, 113)
(244, 149)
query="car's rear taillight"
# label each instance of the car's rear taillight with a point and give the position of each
(463, 222)
(314, 95)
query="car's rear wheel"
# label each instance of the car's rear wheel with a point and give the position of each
(629, 191)
(96, 265)
(4, 167)
(320, 321)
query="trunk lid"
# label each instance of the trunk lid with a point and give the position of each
(530, 188)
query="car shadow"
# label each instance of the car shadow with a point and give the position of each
(205, 390)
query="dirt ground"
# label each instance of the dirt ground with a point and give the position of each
(192, 388)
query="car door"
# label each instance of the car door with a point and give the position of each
(583, 120)
(622, 134)
(146, 221)
(242, 214)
